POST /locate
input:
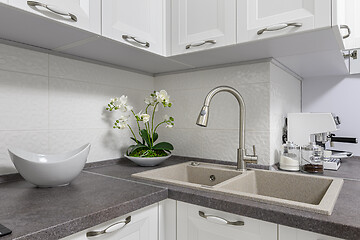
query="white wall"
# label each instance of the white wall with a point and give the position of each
(220, 139)
(51, 104)
(339, 95)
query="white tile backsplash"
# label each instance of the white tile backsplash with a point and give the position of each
(52, 104)
(23, 60)
(23, 101)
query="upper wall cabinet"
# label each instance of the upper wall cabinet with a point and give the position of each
(258, 19)
(202, 24)
(140, 23)
(83, 14)
(3, 1)
(346, 21)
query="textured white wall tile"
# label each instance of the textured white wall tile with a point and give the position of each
(33, 141)
(224, 108)
(285, 97)
(232, 76)
(23, 60)
(79, 105)
(23, 101)
(88, 72)
(187, 142)
(105, 143)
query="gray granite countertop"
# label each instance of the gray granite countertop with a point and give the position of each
(343, 223)
(106, 190)
(53, 213)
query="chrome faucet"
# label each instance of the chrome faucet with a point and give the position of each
(242, 157)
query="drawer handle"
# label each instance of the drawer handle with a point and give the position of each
(278, 27)
(198, 44)
(220, 219)
(53, 9)
(96, 233)
(132, 39)
(348, 30)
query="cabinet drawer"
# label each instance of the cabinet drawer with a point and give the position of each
(288, 233)
(84, 14)
(199, 223)
(143, 225)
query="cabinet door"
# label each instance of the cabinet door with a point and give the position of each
(142, 226)
(140, 23)
(259, 19)
(346, 21)
(191, 226)
(288, 233)
(202, 24)
(83, 14)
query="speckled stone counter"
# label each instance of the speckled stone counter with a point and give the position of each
(343, 223)
(106, 190)
(53, 213)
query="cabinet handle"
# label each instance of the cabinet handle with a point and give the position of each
(130, 39)
(53, 9)
(198, 44)
(220, 219)
(348, 30)
(278, 27)
(104, 231)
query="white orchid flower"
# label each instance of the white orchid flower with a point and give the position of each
(145, 117)
(121, 103)
(150, 100)
(163, 96)
(166, 117)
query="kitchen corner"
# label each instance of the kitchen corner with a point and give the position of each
(106, 190)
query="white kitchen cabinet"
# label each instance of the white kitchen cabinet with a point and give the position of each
(199, 223)
(167, 220)
(346, 22)
(202, 24)
(140, 23)
(85, 14)
(288, 233)
(258, 19)
(143, 225)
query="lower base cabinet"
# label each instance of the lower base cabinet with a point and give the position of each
(174, 220)
(199, 223)
(288, 233)
(139, 225)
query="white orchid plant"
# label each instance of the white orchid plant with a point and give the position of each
(145, 146)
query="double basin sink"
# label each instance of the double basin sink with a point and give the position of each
(300, 191)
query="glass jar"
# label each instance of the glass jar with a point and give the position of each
(312, 159)
(290, 157)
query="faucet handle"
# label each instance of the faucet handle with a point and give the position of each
(254, 150)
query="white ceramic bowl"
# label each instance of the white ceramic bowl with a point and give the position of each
(148, 162)
(49, 170)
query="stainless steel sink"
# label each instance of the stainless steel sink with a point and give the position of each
(294, 190)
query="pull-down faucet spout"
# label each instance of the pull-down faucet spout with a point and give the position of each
(203, 117)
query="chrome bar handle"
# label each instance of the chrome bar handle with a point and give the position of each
(278, 27)
(198, 44)
(53, 9)
(132, 39)
(236, 223)
(104, 231)
(348, 30)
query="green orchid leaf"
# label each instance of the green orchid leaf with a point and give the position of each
(155, 136)
(163, 146)
(145, 136)
(132, 148)
(134, 140)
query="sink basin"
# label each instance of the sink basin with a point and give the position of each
(300, 191)
(191, 174)
(49, 170)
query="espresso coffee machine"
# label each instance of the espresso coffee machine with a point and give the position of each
(303, 128)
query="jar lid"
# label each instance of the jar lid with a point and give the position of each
(312, 147)
(290, 145)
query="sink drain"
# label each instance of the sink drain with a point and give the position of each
(212, 178)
